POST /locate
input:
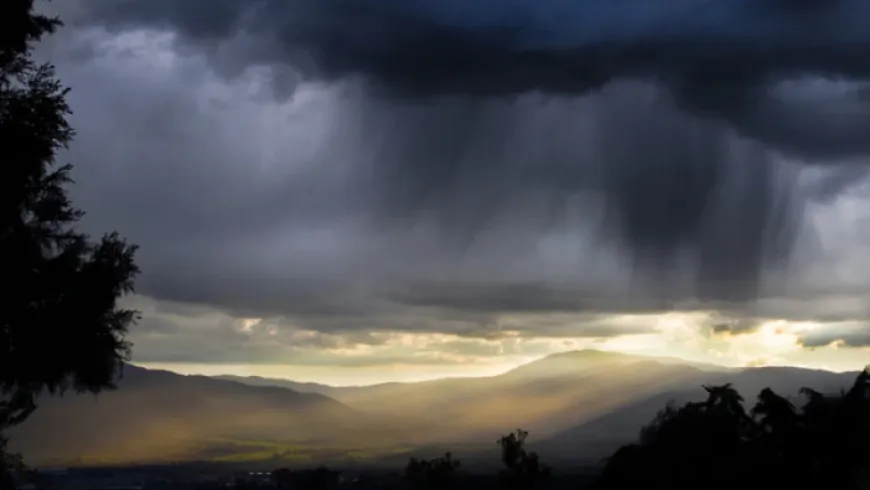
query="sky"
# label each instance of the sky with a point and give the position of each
(354, 191)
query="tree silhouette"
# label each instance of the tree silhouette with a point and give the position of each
(320, 478)
(780, 429)
(716, 445)
(774, 413)
(844, 445)
(60, 326)
(705, 437)
(522, 469)
(10, 465)
(433, 473)
(726, 401)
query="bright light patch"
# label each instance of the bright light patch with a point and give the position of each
(248, 324)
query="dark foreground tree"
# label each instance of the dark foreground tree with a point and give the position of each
(716, 445)
(432, 473)
(60, 326)
(320, 478)
(10, 465)
(523, 469)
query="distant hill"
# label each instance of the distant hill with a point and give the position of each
(578, 407)
(578, 403)
(163, 416)
(296, 386)
(544, 396)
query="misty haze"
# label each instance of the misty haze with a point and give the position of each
(420, 244)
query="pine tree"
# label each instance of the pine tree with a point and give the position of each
(60, 325)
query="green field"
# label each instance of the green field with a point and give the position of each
(238, 451)
(256, 451)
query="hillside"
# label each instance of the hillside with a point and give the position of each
(545, 396)
(578, 407)
(576, 404)
(317, 388)
(162, 416)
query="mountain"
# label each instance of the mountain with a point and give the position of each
(578, 407)
(296, 386)
(158, 416)
(574, 403)
(545, 396)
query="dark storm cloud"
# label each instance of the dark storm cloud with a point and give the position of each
(342, 211)
(719, 58)
(819, 125)
(179, 332)
(829, 308)
(671, 183)
(828, 185)
(527, 298)
(183, 333)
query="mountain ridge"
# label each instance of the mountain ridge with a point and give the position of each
(160, 416)
(323, 388)
(576, 404)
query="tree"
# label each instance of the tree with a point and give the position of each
(60, 325)
(522, 469)
(778, 421)
(698, 445)
(320, 478)
(774, 413)
(840, 426)
(10, 465)
(716, 445)
(726, 400)
(433, 473)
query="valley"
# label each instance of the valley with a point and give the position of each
(578, 406)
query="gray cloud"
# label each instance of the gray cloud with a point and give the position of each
(826, 186)
(341, 210)
(674, 185)
(177, 333)
(181, 333)
(438, 210)
(736, 327)
(708, 54)
(848, 336)
(473, 47)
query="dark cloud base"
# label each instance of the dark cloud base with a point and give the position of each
(717, 60)
(671, 183)
(485, 139)
(842, 337)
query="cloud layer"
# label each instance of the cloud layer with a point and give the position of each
(664, 158)
(469, 166)
(724, 60)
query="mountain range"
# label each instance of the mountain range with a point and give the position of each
(578, 406)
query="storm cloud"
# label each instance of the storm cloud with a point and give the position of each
(732, 61)
(442, 166)
(693, 102)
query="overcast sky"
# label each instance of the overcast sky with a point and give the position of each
(451, 189)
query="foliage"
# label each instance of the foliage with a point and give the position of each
(10, 465)
(317, 479)
(433, 473)
(716, 445)
(522, 469)
(60, 326)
